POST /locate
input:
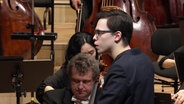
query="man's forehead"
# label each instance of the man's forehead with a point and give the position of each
(102, 24)
(75, 70)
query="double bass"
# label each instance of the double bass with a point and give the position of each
(16, 16)
(167, 12)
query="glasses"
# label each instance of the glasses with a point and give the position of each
(101, 32)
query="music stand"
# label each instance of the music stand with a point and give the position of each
(11, 58)
(162, 98)
(23, 75)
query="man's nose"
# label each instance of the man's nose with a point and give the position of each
(95, 37)
(81, 85)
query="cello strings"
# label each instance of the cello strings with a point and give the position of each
(107, 3)
(32, 12)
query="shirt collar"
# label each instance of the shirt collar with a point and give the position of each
(76, 101)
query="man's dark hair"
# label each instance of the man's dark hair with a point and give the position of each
(118, 20)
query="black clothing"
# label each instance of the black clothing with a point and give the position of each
(129, 80)
(58, 81)
(60, 96)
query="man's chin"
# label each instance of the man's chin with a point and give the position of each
(99, 51)
(82, 97)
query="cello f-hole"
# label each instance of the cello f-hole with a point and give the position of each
(124, 1)
(132, 9)
(11, 7)
(136, 19)
(15, 15)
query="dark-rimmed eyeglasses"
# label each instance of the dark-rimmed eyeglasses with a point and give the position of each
(100, 32)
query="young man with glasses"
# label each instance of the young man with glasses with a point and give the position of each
(130, 77)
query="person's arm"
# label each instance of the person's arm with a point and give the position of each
(167, 62)
(58, 80)
(54, 97)
(48, 88)
(75, 4)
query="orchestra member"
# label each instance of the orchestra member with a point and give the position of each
(79, 42)
(83, 70)
(130, 79)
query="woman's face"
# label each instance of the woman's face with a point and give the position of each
(89, 49)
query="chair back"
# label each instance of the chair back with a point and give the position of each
(166, 40)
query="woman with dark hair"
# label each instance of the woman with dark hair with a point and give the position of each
(79, 42)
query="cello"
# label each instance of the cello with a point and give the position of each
(143, 23)
(16, 16)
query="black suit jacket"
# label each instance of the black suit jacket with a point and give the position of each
(129, 80)
(182, 86)
(60, 96)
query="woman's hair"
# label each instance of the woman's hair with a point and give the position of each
(76, 42)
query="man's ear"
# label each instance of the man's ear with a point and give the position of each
(117, 36)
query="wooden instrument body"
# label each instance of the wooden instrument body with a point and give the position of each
(16, 16)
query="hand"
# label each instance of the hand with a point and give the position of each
(178, 97)
(48, 88)
(76, 4)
